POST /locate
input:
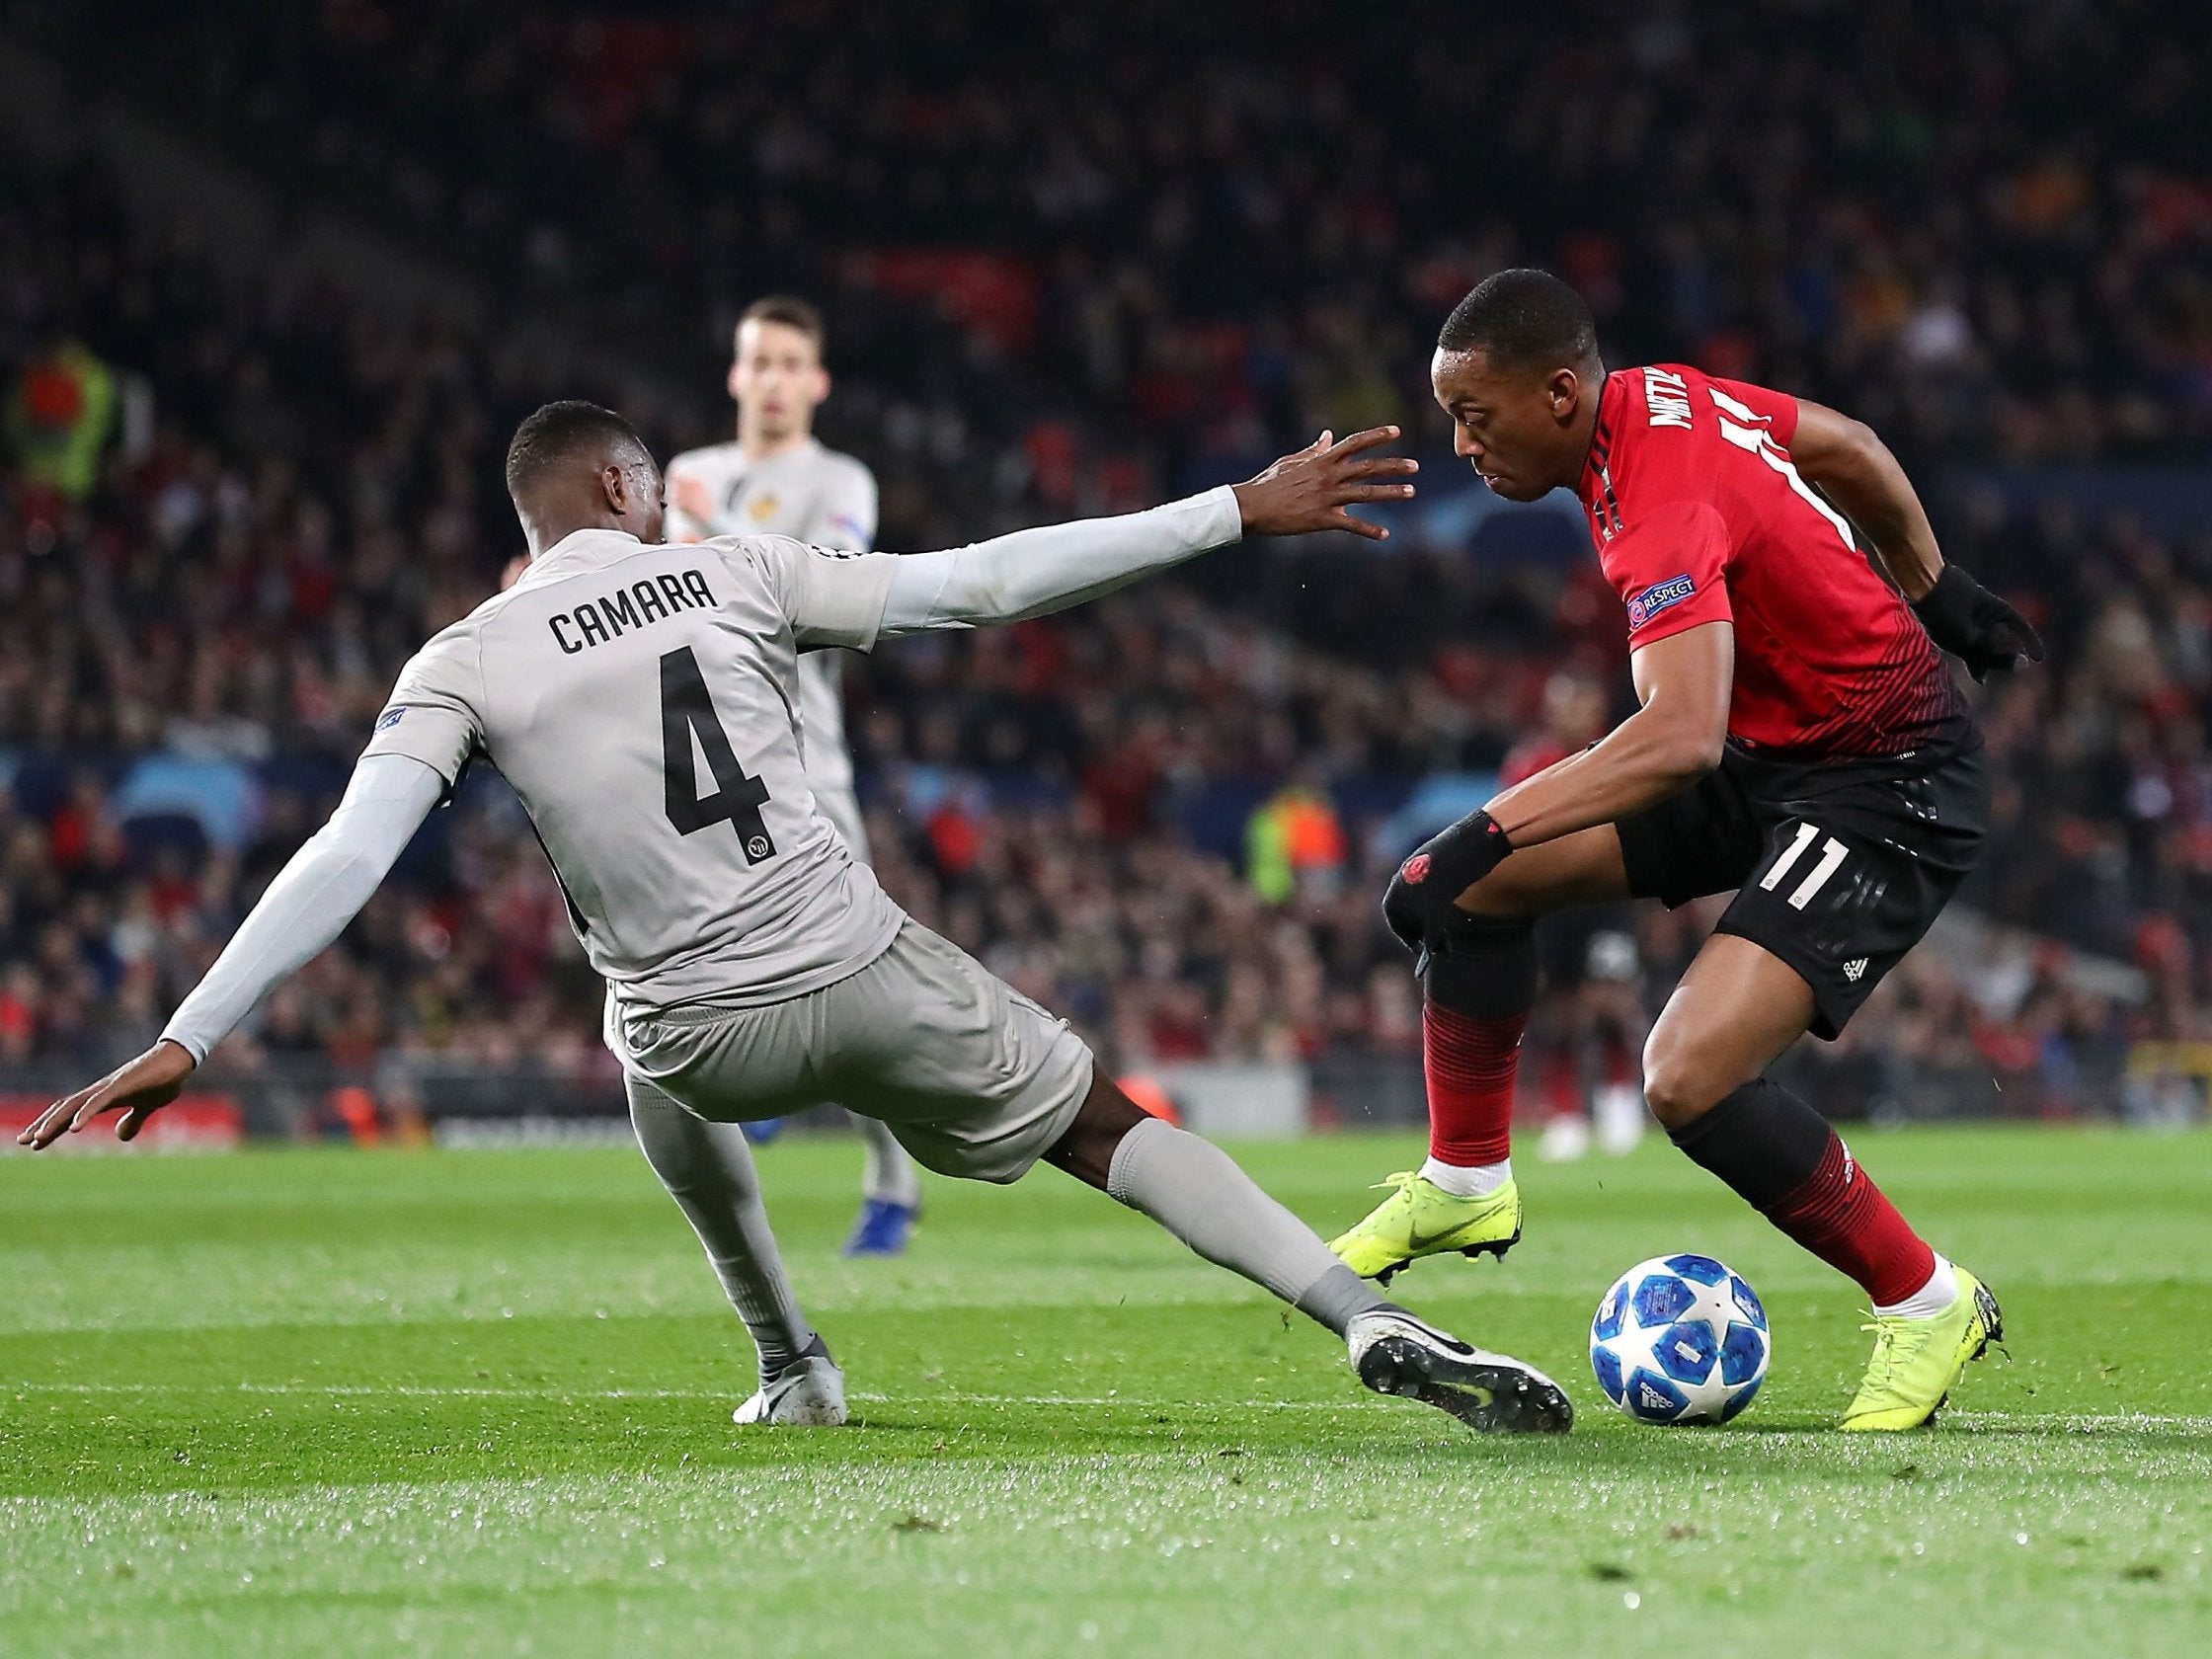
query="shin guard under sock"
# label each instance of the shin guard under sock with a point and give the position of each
(1194, 1190)
(1478, 990)
(1781, 1158)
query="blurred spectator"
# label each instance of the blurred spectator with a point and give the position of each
(59, 415)
(1160, 814)
(1294, 842)
(1169, 233)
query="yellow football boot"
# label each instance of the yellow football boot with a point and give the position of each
(1420, 1218)
(1918, 1362)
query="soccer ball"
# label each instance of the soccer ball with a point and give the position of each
(1679, 1339)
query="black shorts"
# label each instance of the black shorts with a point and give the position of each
(1837, 868)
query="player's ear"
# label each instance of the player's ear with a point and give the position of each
(614, 485)
(1565, 391)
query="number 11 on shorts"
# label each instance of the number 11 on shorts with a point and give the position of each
(1832, 857)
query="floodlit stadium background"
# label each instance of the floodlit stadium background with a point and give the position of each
(275, 285)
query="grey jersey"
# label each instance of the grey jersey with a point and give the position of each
(641, 701)
(813, 494)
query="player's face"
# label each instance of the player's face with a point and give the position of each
(777, 378)
(1516, 428)
(653, 504)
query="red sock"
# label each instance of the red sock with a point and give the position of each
(1785, 1160)
(1844, 1219)
(1470, 1061)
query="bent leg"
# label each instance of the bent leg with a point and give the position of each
(1734, 1013)
(1479, 983)
(1193, 1189)
(979, 1081)
(1476, 959)
(708, 1170)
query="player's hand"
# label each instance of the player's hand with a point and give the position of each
(137, 1090)
(1421, 904)
(1311, 490)
(1977, 627)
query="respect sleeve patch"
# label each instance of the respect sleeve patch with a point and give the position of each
(1659, 596)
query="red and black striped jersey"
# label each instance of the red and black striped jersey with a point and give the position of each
(1699, 516)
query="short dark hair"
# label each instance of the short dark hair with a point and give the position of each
(560, 432)
(1522, 319)
(789, 311)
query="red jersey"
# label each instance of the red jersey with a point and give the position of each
(1699, 516)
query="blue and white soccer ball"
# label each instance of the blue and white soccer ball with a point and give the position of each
(1679, 1339)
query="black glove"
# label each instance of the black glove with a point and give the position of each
(1976, 626)
(1419, 905)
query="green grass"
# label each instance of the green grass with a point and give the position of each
(290, 1403)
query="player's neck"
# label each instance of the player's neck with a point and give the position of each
(541, 535)
(757, 445)
(1585, 434)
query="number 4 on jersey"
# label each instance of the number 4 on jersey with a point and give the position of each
(687, 712)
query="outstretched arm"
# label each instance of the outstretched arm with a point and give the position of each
(1855, 469)
(307, 906)
(1032, 572)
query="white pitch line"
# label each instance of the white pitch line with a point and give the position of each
(354, 1390)
(2070, 1422)
(344, 1390)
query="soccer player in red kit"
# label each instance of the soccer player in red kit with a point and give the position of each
(1799, 740)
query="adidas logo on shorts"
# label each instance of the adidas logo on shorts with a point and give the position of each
(1854, 968)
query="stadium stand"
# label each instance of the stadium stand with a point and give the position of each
(228, 515)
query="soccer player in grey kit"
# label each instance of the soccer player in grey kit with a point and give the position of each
(638, 696)
(775, 478)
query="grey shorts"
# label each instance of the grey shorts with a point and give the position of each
(972, 1076)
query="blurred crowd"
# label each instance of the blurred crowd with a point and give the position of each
(1181, 231)
(1159, 252)
(1091, 804)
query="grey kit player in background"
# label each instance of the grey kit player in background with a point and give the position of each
(776, 479)
(638, 698)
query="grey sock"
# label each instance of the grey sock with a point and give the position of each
(1339, 1297)
(708, 1170)
(1194, 1190)
(890, 1174)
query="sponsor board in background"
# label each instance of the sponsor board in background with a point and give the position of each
(191, 1123)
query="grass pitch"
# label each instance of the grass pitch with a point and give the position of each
(334, 1402)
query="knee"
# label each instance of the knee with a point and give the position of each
(1106, 1117)
(1679, 1083)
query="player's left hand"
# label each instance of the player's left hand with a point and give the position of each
(138, 1090)
(1977, 627)
(1421, 905)
(1311, 490)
